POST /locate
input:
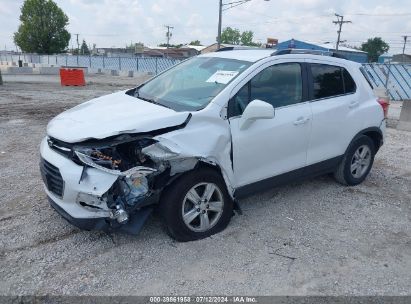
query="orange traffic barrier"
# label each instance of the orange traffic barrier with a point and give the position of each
(72, 77)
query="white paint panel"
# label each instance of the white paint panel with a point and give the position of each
(269, 147)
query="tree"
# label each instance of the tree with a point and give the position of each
(84, 48)
(195, 42)
(230, 36)
(233, 36)
(247, 38)
(42, 28)
(177, 46)
(375, 47)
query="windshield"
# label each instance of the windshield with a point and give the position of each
(191, 85)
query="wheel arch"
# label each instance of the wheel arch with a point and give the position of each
(374, 133)
(201, 164)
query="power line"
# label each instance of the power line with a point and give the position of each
(380, 15)
(340, 21)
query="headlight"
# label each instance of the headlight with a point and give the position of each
(135, 171)
(121, 159)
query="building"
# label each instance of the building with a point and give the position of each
(349, 53)
(402, 58)
(397, 58)
(213, 47)
(144, 51)
(384, 58)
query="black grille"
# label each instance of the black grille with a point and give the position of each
(52, 177)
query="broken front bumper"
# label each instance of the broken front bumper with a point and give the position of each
(78, 197)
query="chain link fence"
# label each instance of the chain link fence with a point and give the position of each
(396, 78)
(398, 83)
(153, 65)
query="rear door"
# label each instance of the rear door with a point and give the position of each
(334, 104)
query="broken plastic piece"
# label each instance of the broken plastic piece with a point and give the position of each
(158, 151)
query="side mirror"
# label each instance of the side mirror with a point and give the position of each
(257, 109)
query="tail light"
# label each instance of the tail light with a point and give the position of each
(384, 104)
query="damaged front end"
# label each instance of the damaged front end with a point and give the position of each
(142, 168)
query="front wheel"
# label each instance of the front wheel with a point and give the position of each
(196, 205)
(357, 162)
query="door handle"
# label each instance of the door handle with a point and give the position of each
(301, 121)
(353, 104)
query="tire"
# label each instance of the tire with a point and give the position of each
(184, 214)
(357, 162)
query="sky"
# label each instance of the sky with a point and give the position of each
(115, 23)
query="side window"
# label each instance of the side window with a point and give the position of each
(349, 84)
(327, 80)
(279, 85)
(240, 100)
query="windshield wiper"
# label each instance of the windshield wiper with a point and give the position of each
(151, 101)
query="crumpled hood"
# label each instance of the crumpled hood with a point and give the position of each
(111, 115)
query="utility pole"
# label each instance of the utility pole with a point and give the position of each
(168, 34)
(220, 14)
(78, 47)
(340, 21)
(78, 44)
(403, 48)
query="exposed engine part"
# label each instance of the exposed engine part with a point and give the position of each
(114, 162)
(134, 188)
(120, 215)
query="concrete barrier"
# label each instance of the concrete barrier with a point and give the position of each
(405, 116)
(49, 70)
(19, 70)
(114, 73)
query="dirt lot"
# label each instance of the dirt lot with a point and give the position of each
(310, 238)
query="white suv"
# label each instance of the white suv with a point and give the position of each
(210, 130)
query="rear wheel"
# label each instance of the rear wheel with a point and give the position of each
(196, 205)
(357, 162)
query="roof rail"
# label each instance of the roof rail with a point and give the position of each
(308, 51)
(237, 48)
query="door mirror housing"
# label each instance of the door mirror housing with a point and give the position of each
(257, 109)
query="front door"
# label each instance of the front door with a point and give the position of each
(269, 147)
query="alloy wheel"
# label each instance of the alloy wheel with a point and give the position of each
(202, 207)
(360, 161)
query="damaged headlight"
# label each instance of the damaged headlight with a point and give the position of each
(121, 158)
(93, 161)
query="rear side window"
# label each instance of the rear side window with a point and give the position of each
(329, 80)
(365, 74)
(349, 84)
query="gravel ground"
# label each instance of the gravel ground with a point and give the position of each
(310, 238)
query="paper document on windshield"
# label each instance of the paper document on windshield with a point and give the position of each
(223, 77)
